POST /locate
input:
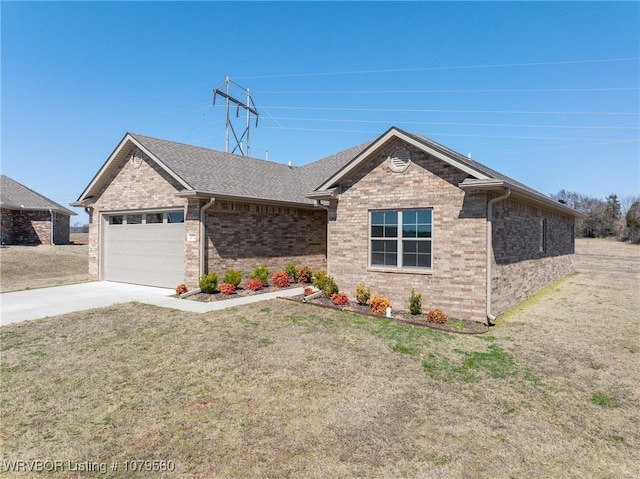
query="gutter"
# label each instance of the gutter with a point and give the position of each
(491, 317)
(203, 243)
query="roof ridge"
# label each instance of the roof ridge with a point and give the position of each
(218, 152)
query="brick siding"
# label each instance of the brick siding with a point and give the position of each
(131, 189)
(520, 269)
(34, 227)
(239, 235)
(6, 225)
(243, 235)
(457, 282)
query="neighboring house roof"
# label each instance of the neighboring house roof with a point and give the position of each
(16, 196)
(205, 172)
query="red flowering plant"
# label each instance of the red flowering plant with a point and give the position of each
(226, 288)
(339, 299)
(254, 284)
(280, 279)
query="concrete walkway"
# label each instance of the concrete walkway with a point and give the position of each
(40, 303)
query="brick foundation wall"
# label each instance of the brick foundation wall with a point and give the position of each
(243, 235)
(520, 269)
(131, 189)
(457, 282)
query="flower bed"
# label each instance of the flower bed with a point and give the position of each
(451, 325)
(238, 293)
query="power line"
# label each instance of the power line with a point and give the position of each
(495, 90)
(519, 137)
(418, 110)
(460, 67)
(459, 124)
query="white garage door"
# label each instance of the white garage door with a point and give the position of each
(145, 248)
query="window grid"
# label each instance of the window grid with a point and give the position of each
(401, 239)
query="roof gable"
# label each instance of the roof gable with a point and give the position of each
(16, 196)
(430, 147)
(123, 151)
(204, 172)
(481, 177)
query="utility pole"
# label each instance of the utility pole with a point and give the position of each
(250, 109)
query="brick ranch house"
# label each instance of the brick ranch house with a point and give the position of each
(28, 218)
(396, 213)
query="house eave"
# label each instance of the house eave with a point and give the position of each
(497, 186)
(9, 206)
(243, 199)
(323, 195)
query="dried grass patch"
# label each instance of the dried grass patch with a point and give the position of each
(23, 267)
(279, 389)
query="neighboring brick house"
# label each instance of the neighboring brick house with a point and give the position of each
(27, 217)
(397, 213)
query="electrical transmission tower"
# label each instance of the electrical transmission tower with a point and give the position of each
(250, 109)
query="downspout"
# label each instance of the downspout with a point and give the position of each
(491, 317)
(319, 204)
(52, 222)
(203, 243)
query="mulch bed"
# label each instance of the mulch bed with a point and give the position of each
(238, 293)
(452, 325)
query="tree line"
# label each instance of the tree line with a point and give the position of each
(604, 218)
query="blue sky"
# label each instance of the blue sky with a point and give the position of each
(544, 92)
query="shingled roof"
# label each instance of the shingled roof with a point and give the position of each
(203, 172)
(206, 172)
(16, 196)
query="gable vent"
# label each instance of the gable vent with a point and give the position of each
(399, 161)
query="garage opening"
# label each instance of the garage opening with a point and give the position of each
(145, 248)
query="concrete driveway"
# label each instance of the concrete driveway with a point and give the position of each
(39, 303)
(42, 302)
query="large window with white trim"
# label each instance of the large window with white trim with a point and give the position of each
(400, 238)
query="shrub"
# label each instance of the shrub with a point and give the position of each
(362, 294)
(254, 284)
(280, 279)
(233, 277)
(325, 283)
(261, 272)
(227, 288)
(181, 289)
(339, 299)
(291, 271)
(308, 291)
(379, 304)
(320, 279)
(303, 274)
(436, 316)
(209, 283)
(415, 303)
